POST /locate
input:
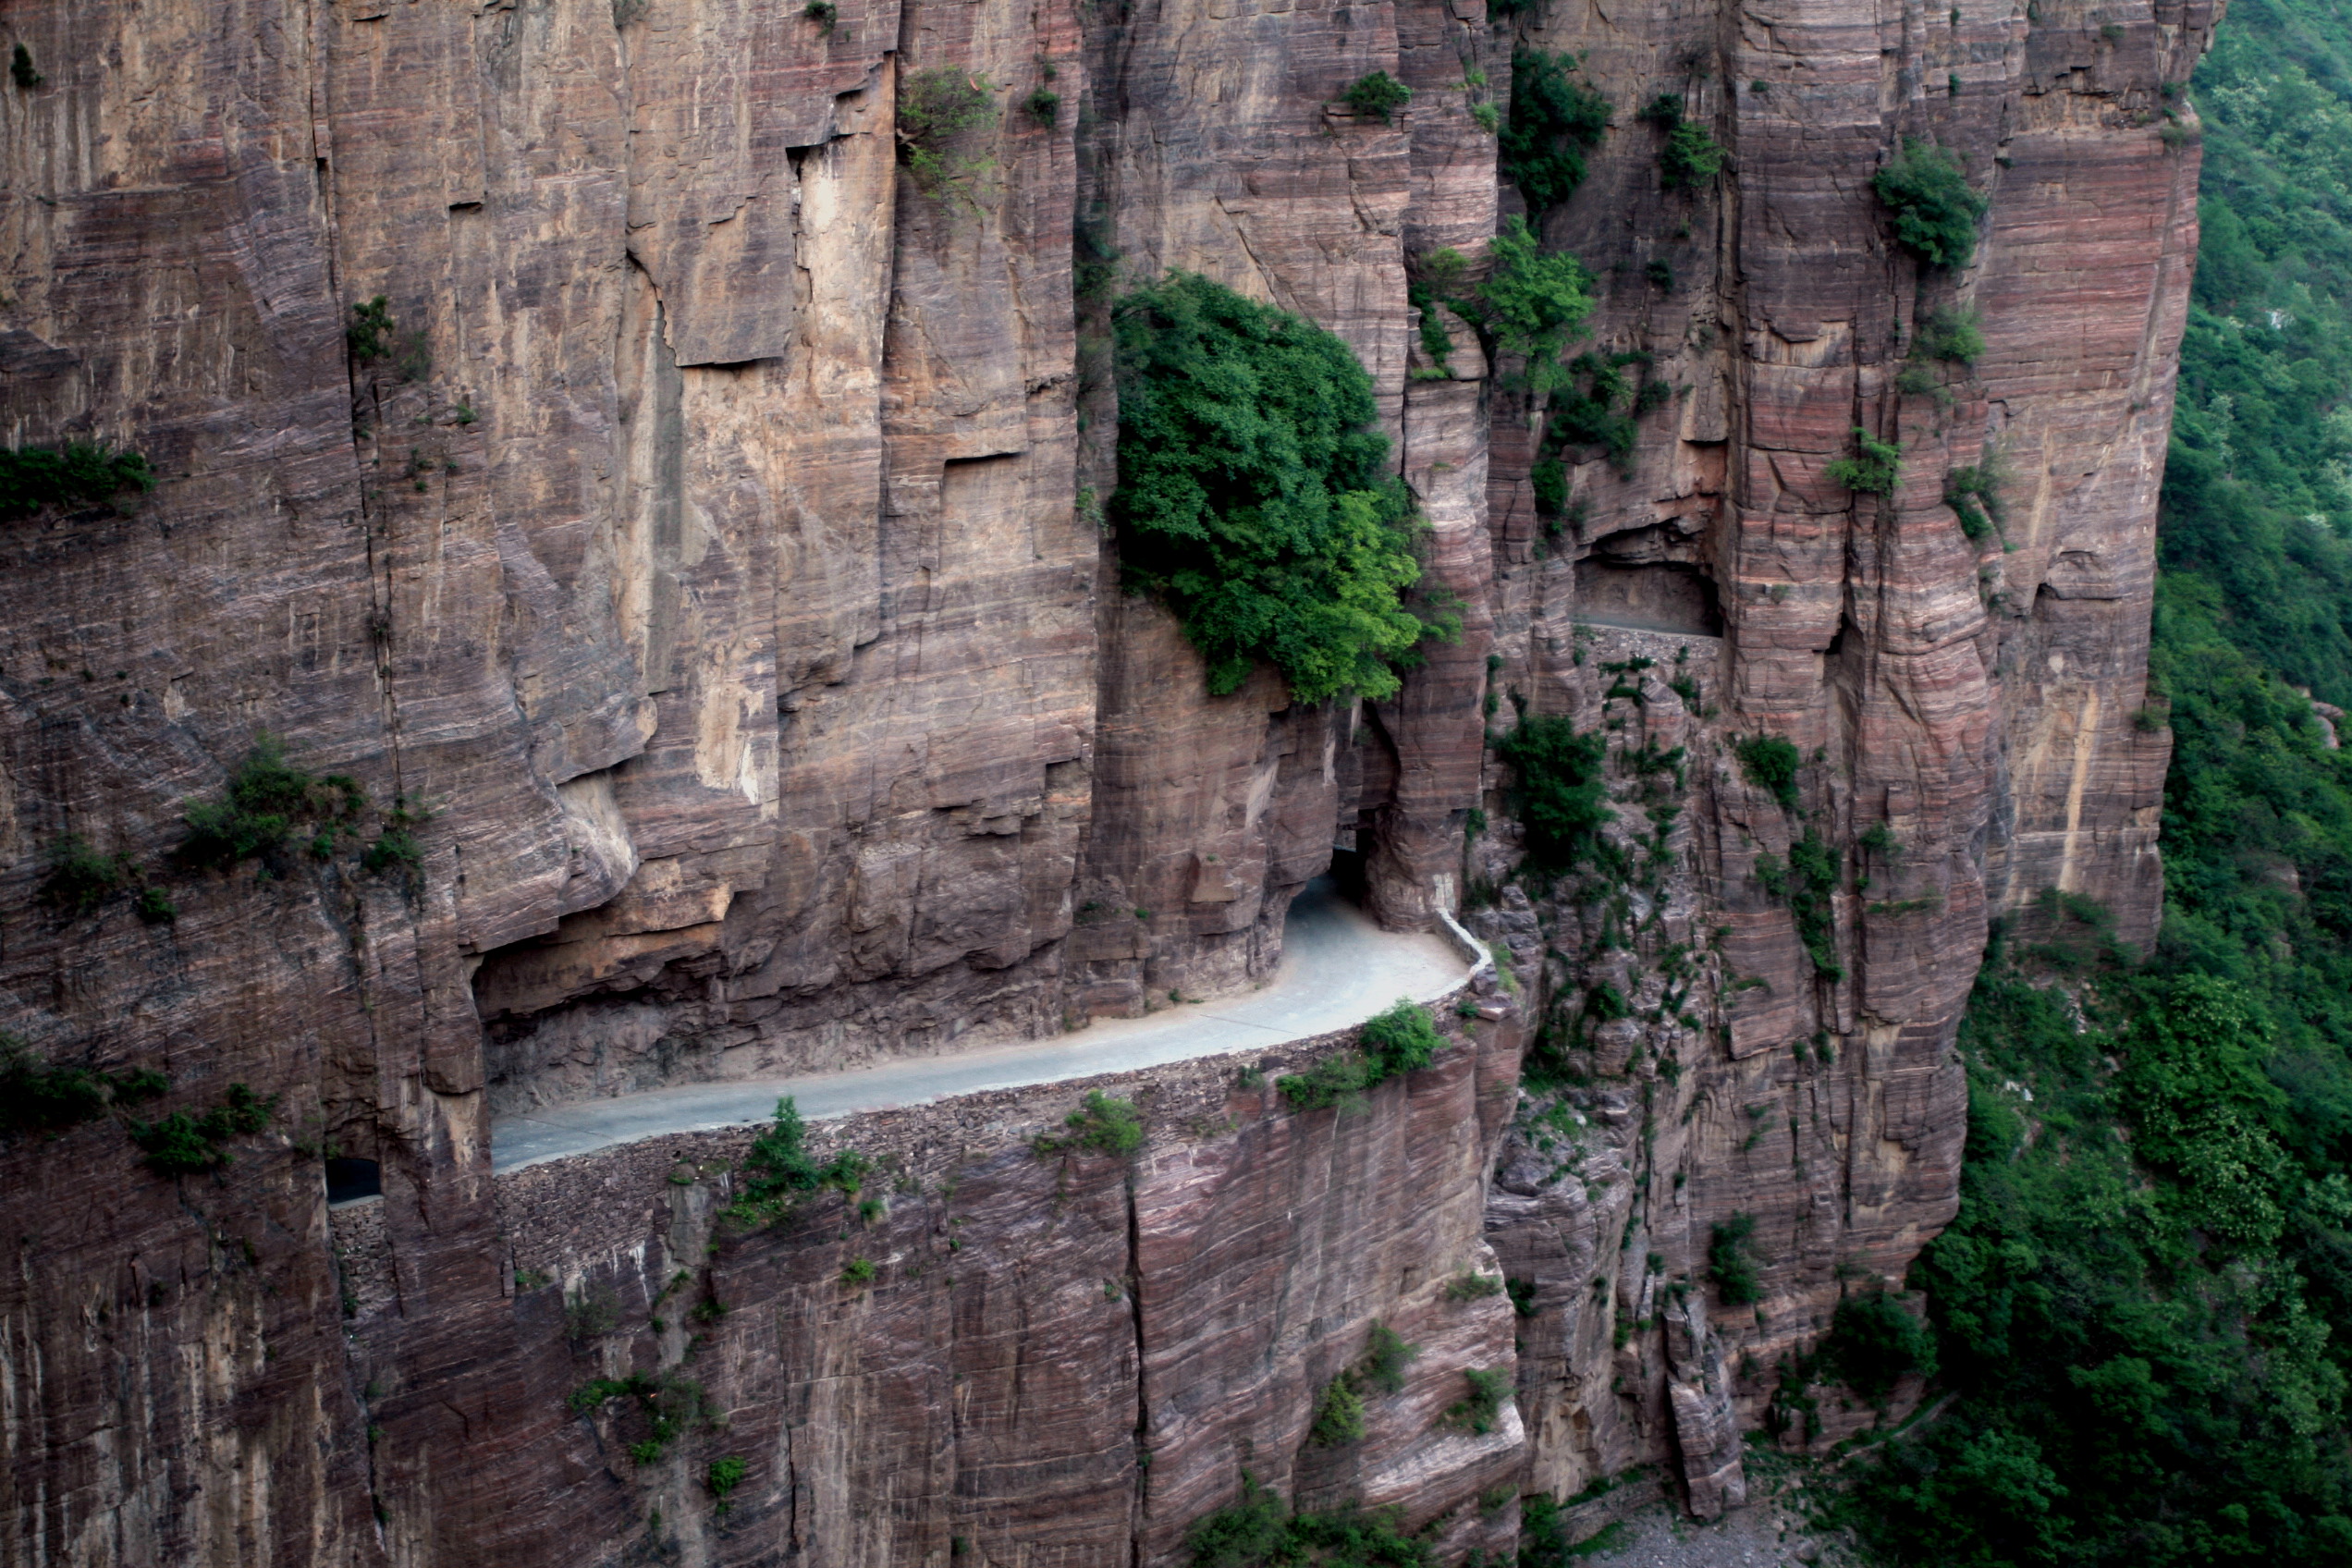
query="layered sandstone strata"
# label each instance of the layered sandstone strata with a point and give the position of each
(714, 550)
(1969, 713)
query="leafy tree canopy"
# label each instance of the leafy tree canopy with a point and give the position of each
(1253, 497)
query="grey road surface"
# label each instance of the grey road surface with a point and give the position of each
(1339, 968)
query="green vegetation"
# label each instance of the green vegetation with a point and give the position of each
(1543, 1535)
(1597, 404)
(858, 1271)
(373, 336)
(591, 1312)
(1477, 1410)
(2145, 1305)
(1471, 1285)
(666, 1407)
(1532, 304)
(1259, 1532)
(1556, 120)
(78, 473)
(1691, 157)
(1935, 211)
(265, 802)
(938, 109)
(22, 72)
(1379, 95)
(370, 336)
(1339, 1409)
(778, 1172)
(823, 13)
(182, 1145)
(1770, 762)
(1253, 496)
(79, 878)
(37, 1097)
(1559, 791)
(724, 1476)
(1874, 1339)
(1404, 1040)
(1102, 1125)
(1812, 881)
(1386, 1355)
(1952, 335)
(1044, 105)
(1338, 1414)
(1874, 469)
(1974, 494)
(1730, 1261)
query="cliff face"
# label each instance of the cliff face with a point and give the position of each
(711, 543)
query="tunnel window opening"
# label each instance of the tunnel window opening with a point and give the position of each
(1650, 596)
(350, 1180)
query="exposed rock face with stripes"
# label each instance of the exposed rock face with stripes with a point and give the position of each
(707, 545)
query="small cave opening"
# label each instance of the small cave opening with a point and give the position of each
(350, 1180)
(1671, 596)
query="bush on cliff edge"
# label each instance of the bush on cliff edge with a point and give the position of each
(1253, 496)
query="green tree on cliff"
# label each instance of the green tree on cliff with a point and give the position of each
(1253, 496)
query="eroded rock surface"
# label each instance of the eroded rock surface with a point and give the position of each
(709, 543)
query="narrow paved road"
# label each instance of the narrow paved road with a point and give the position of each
(1339, 968)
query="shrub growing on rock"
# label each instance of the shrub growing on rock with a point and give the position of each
(1253, 497)
(1954, 336)
(937, 109)
(1476, 1411)
(1386, 1355)
(1690, 158)
(1875, 468)
(1338, 1414)
(78, 473)
(778, 1172)
(1560, 795)
(1532, 304)
(1770, 762)
(1101, 1124)
(1974, 494)
(264, 801)
(1404, 1040)
(182, 1145)
(1935, 213)
(1729, 1263)
(1556, 120)
(37, 1097)
(1256, 1532)
(79, 878)
(1379, 95)
(724, 1476)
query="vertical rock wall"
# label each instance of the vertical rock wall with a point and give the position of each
(1968, 713)
(710, 544)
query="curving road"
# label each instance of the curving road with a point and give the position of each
(1339, 968)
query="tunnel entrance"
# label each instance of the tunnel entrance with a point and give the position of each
(1650, 595)
(349, 1181)
(1346, 875)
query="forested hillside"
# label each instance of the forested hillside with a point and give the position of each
(2143, 1310)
